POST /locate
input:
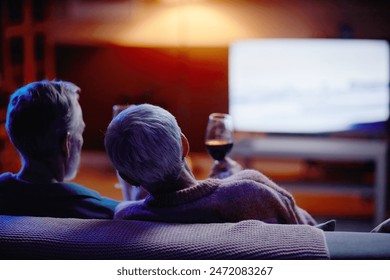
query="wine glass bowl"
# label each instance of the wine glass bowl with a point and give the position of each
(219, 141)
(116, 109)
(218, 148)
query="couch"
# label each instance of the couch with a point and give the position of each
(44, 238)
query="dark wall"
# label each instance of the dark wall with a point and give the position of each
(193, 82)
(190, 82)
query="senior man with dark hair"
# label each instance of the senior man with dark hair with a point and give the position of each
(148, 149)
(45, 124)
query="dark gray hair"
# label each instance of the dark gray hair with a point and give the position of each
(38, 114)
(144, 143)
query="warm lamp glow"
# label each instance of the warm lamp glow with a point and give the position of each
(184, 25)
(181, 23)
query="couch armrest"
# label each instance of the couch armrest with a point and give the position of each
(358, 245)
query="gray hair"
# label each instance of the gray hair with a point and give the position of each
(144, 144)
(38, 114)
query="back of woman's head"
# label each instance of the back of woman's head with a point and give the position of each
(144, 144)
(38, 114)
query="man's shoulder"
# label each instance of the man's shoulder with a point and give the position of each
(79, 190)
(85, 202)
(6, 176)
(7, 180)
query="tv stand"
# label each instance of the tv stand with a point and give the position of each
(323, 149)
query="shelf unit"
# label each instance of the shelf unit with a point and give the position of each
(323, 149)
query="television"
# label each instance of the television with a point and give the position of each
(309, 86)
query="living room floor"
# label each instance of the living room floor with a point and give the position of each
(96, 172)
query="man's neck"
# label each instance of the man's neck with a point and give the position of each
(41, 171)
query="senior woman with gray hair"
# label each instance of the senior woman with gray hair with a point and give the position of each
(45, 124)
(148, 149)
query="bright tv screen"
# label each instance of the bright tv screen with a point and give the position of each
(308, 85)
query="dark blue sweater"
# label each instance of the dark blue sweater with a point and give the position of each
(52, 200)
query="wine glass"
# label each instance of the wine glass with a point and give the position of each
(129, 191)
(219, 142)
(116, 109)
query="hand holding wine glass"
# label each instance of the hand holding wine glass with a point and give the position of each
(219, 142)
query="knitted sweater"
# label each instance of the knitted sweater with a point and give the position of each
(243, 196)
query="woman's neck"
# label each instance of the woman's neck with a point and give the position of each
(184, 180)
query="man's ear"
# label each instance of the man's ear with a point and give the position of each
(66, 144)
(185, 144)
(128, 180)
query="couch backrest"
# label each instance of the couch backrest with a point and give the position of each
(59, 238)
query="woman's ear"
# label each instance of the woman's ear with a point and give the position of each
(185, 144)
(66, 145)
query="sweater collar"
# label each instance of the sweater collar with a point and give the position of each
(200, 190)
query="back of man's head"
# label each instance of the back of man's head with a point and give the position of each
(39, 116)
(144, 144)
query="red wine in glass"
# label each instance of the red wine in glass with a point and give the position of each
(218, 148)
(219, 141)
